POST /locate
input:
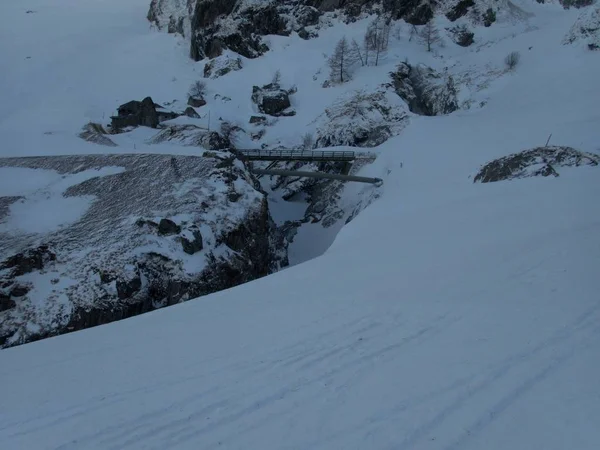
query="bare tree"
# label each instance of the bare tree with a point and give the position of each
(377, 38)
(308, 141)
(429, 35)
(512, 60)
(197, 89)
(341, 61)
(356, 49)
(276, 77)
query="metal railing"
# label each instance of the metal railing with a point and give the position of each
(296, 155)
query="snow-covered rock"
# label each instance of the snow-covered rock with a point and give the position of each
(586, 29)
(426, 91)
(271, 99)
(541, 161)
(361, 119)
(222, 65)
(128, 234)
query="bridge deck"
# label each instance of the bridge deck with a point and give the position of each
(296, 155)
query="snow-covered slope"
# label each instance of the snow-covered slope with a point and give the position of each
(446, 315)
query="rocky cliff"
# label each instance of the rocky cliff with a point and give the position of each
(93, 239)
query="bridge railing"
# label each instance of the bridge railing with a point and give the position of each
(297, 155)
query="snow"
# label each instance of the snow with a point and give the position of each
(44, 208)
(446, 315)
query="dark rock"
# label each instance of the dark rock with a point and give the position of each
(134, 113)
(19, 290)
(414, 12)
(426, 91)
(192, 246)
(215, 141)
(303, 34)
(271, 99)
(167, 227)
(29, 261)
(6, 303)
(460, 9)
(540, 161)
(233, 196)
(191, 112)
(489, 17)
(258, 119)
(576, 3)
(462, 36)
(196, 102)
(128, 288)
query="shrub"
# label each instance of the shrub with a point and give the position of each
(197, 89)
(512, 60)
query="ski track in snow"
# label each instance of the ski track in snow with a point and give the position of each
(445, 316)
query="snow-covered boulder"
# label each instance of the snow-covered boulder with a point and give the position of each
(271, 99)
(127, 234)
(361, 119)
(541, 161)
(426, 91)
(586, 29)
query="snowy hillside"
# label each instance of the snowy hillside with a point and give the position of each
(454, 307)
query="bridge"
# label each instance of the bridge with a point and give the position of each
(275, 156)
(321, 175)
(297, 155)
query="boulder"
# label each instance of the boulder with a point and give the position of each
(192, 244)
(461, 35)
(196, 102)
(540, 161)
(167, 227)
(272, 100)
(135, 113)
(258, 120)
(191, 112)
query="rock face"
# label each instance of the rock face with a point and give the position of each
(135, 113)
(213, 26)
(586, 29)
(151, 231)
(459, 10)
(362, 119)
(426, 91)
(271, 99)
(541, 161)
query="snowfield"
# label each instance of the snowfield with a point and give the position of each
(446, 315)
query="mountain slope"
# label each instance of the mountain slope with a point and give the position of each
(447, 315)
